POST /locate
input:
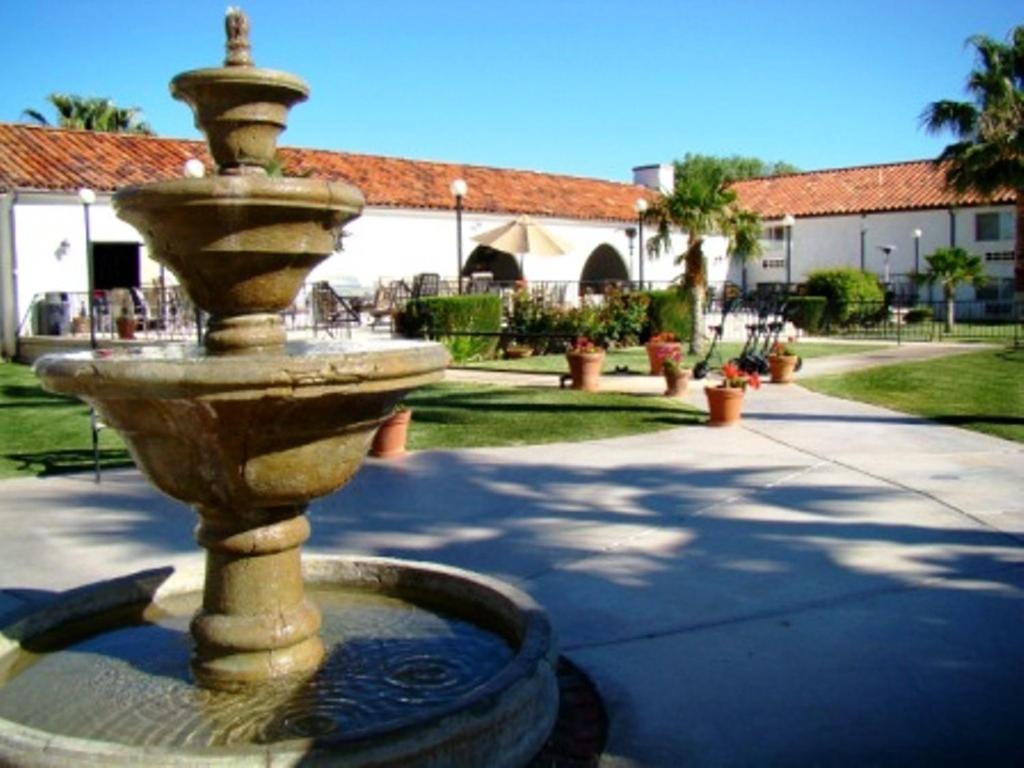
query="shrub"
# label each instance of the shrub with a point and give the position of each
(850, 294)
(620, 319)
(806, 312)
(918, 315)
(438, 317)
(668, 312)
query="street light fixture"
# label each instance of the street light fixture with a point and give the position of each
(917, 250)
(787, 222)
(641, 206)
(87, 198)
(459, 189)
(863, 244)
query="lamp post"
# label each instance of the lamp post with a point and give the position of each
(459, 189)
(193, 169)
(787, 222)
(641, 208)
(88, 197)
(863, 243)
(917, 250)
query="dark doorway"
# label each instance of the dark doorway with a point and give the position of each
(115, 265)
(502, 265)
(604, 265)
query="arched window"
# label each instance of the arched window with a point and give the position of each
(604, 265)
(502, 265)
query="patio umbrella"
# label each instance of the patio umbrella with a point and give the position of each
(521, 236)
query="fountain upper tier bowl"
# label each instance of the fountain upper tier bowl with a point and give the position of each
(240, 244)
(252, 431)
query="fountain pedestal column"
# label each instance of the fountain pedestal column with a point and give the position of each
(255, 623)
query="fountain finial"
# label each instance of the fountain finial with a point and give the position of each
(236, 25)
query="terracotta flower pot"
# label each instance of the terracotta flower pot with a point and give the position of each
(724, 405)
(657, 351)
(517, 352)
(389, 440)
(676, 382)
(125, 327)
(782, 367)
(585, 369)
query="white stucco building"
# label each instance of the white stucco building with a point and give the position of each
(840, 217)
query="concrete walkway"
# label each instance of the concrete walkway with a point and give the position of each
(829, 583)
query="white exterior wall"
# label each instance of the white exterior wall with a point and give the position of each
(41, 223)
(398, 243)
(834, 241)
(382, 244)
(393, 243)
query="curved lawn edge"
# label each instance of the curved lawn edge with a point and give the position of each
(453, 415)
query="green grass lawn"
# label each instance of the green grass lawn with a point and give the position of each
(470, 416)
(635, 358)
(983, 390)
(44, 434)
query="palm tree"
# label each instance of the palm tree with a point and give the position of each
(989, 154)
(702, 203)
(950, 267)
(91, 114)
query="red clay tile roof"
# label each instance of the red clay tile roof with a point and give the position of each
(866, 189)
(39, 158)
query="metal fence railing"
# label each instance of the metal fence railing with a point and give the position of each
(995, 321)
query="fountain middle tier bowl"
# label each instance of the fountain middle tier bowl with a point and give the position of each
(240, 244)
(249, 431)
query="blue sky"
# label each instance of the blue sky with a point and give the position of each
(585, 88)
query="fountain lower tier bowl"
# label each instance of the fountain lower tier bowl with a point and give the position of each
(240, 244)
(247, 432)
(426, 665)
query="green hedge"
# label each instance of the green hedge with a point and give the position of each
(806, 312)
(918, 315)
(668, 311)
(439, 316)
(850, 294)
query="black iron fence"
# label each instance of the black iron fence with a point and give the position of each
(994, 321)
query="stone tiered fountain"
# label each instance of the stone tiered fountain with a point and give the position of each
(339, 660)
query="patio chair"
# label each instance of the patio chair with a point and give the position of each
(426, 284)
(331, 310)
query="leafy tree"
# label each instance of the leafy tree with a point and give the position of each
(989, 154)
(950, 267)
(91, 113)
(701, 204)
(737, 167)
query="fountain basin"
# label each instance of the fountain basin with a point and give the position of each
(503, 720)
(247, 431)
(240, 244)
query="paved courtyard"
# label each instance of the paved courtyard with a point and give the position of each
(829, 583)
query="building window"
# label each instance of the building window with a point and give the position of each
(774, 234)
(993, 226)
(773, 263)
(999, 256)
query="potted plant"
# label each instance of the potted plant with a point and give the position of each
(676, 376)
(80, 323)
(125, 326)
(659, 347)
(585, 361)
(783, 361)
(389, 440)
(515, 350)
(725, 402)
